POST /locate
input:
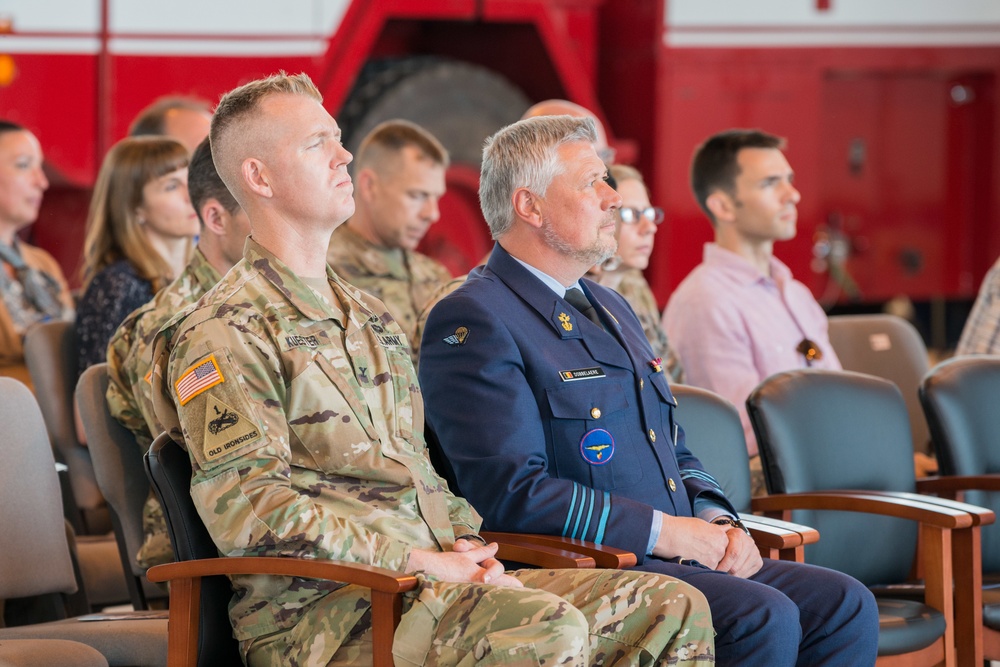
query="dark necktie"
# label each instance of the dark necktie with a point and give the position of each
(579, 300)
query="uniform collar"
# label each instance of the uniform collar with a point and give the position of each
(564, 319)
(375, 260)
(302, 297)
(201, 270)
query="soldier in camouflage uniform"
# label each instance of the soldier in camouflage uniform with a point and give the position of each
(224, 228)
(297, 402)
(399, 179)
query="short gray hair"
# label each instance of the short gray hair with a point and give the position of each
(524, 155)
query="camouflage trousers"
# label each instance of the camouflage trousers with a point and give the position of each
(155, 549)
(560, 617)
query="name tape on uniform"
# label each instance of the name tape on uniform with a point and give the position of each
(582, 374)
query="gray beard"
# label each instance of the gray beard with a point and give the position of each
(593, 254)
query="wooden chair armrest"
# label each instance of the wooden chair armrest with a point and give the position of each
(185, 578)
(540, 555)
(375, 578)
(981, 516)
(881, 503)
(602, 555)
(809, 534)
(777, 534)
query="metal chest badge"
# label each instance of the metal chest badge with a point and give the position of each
(597, 447)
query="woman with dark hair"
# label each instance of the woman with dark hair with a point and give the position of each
(139, 233)
(32, 287)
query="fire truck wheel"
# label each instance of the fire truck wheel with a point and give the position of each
(459, 103)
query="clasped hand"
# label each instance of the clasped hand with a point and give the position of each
(469, 563)
(724, 548)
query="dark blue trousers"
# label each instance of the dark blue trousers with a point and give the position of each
(786, 614)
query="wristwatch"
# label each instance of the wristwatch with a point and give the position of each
(725, 520)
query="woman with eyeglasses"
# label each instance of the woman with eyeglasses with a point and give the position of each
(636, 228)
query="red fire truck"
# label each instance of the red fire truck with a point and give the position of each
(889, 107)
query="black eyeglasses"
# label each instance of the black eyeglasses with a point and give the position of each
(809, 350)
(631, 215)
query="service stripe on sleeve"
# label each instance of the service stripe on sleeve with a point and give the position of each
(569, 514)
(603, 523)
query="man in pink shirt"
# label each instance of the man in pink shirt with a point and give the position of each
(740, 316)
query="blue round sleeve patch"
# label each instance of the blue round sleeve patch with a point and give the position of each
(597, 447)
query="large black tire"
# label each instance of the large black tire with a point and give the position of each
(459, 103)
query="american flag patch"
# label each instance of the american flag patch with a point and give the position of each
(197, 379)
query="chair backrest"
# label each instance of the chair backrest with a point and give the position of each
(119, 469)
(959, 398)
(821, 430)
(886, 346)
(34, 550)
(50, 353)
(713, 432)
(169, 470)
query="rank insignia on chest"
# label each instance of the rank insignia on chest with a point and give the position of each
(564, 319)
(459, 337)
(597, 447)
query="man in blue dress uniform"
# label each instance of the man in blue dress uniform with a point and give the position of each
(555, 417)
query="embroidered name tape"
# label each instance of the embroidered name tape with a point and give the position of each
(197, 379)
(301, 341)
(582, 374)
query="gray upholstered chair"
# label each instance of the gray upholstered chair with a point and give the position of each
(959, 398)
(47, 652)
(886, 346)
(50, 353)
(121, 476)
(713, 432)
(34, 551)
(823, 432)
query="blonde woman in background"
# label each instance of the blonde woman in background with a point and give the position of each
(636, 228)
(139, 236)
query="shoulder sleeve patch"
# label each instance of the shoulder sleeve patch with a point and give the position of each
(226, 429)
(220, 421)
(198, 378)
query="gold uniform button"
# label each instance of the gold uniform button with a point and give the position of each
(671, 484)
(652, 435)
(642, 383)
(596, 413)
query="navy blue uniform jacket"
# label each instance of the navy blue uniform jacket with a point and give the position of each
(549, 423)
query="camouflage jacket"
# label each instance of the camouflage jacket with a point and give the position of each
(130, 349)
(403, 280)
(304, 423)
(632, 285)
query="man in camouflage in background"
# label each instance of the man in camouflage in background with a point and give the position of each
(224, 229)
(294, 395)
(399, 179)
